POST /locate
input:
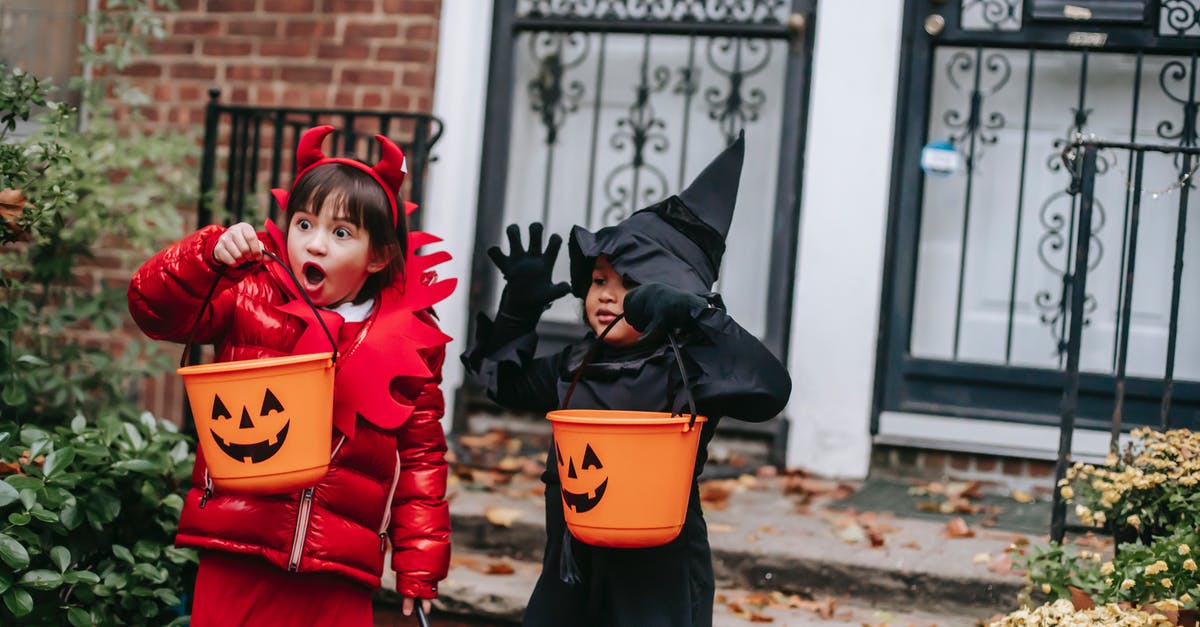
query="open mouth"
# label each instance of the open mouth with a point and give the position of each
(313, 274)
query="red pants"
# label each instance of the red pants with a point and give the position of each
(234, 590)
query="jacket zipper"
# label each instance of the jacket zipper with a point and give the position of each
(302, 518)
(208, 489)
(387, 507)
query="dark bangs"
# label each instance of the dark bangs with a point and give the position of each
(359, 199)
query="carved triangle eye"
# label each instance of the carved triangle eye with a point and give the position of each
(270, 404)
(219, 410)
(558, 454)
(590, 459)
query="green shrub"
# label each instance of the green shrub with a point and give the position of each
(90, 488)
(87, 516)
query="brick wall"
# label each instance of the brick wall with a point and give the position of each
(369, 54)
(356, 54)
(999, 474)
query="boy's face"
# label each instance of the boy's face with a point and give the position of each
(605, 301)
(331, 255)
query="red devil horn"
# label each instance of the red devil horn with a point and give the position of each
(391, 167)
(308, 151)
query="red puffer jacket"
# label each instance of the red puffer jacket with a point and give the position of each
(381, 482)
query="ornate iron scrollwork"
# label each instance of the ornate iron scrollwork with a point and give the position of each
(639, 129)
(1180, 18)
(992, 14)
(1178, 73)
(734, 109)
(997, 68)
(550, 98)
(732, 11)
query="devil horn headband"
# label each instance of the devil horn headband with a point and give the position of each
(389, 172)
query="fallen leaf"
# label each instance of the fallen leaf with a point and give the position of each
(958, 528)
(825, 608)
(499, 568)
(502, 516)
(510, 463)
(719, 528)
(1002, 565)
(981, 558)
(1021, 497)
(852, 534)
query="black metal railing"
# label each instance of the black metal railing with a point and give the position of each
(248, 150)
(1082, 159)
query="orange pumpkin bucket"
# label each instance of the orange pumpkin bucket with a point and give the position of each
(264, 425)
(625, 476)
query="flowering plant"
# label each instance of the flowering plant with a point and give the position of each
(1148, 490)
(1064, 614)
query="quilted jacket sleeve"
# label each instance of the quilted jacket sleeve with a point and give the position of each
(168, 290)
(420, 527)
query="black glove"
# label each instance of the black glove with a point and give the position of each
(530, 289)
(657, 307)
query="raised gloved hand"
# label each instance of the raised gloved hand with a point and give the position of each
(530, 289)
(655, 307)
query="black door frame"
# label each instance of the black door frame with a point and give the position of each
(904, 383)
(506, 24)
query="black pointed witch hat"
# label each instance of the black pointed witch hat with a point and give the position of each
(678, 241)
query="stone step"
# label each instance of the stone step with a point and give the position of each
(471, 596)
(761, 541)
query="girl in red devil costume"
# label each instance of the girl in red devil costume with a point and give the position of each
(314, 557)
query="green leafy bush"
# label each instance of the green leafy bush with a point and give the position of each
(90, 488)
(87, 517)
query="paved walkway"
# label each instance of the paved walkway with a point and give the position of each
(779, 550)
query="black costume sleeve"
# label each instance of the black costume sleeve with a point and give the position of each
(736, 375)
(501, 359)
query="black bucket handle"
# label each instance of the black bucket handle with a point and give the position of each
(587, 358)
(187, 347)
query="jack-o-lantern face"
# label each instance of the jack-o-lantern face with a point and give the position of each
(581, 487)
(246, 443)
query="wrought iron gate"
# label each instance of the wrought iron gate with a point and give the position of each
(980, 260)
(596, 109)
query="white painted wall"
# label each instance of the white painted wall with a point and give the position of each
(843, 219)
(460, 89)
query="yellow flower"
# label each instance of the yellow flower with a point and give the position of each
(1186, 598)
(1134, 521)
(1107, 568)
(1046, 588)
(1127, 584)
(1156, 567)
(1166, 583)
(1184, 549)
(1067, 492)
(1189, 564)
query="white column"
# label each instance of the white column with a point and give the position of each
(460, 89)
(843, 221)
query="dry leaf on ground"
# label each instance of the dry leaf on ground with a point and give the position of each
(502, 516)
(958, 528)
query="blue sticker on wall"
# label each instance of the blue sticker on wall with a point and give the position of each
(940, 159)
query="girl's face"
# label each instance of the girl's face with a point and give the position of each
(606, 300)
(332, 256)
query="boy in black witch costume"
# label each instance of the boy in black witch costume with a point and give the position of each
(657, 267)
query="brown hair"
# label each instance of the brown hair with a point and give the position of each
(364, 202)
